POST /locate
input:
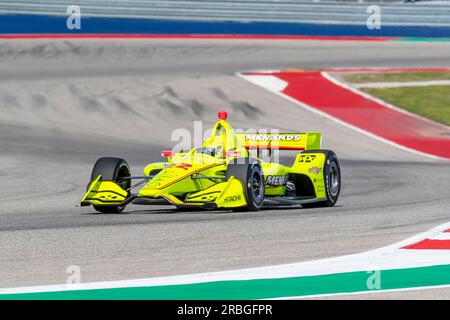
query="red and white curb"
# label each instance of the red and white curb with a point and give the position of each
(320, 93)
(437, 241)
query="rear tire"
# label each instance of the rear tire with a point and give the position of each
(111, 169)
(332, 179)
(249, 173)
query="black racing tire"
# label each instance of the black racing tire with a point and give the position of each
(109, 209)
(111, 169)
(332, 179)
(249, 173)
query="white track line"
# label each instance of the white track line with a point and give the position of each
(389, 85)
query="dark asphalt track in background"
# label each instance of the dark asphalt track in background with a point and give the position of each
(63, 104)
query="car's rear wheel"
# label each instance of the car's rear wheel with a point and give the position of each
(111, 169)
(249, 173)
(332, 180)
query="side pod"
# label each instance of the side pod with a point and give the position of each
(311, 165)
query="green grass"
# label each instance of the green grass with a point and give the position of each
(432, 102)
(396, 77)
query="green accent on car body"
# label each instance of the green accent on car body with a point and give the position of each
(314, 141)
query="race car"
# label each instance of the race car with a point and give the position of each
(226, 172)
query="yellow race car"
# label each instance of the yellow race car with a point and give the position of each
(226, 172)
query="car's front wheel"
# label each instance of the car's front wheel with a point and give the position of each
(115, 170)
(249, 173)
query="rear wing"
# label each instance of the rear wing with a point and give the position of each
(281, 141)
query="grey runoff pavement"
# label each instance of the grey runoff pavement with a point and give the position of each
(66, 103)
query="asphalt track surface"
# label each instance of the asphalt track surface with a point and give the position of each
(63, 104)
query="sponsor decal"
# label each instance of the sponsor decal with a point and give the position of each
(184, 166)
(315, 170)
(232, 198)
(307, 158)
(276, 181)
(269, 137)
(233, 154)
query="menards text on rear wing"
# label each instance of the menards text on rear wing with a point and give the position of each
(281, 141)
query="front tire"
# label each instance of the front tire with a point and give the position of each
(249, 173)
(111, 169)
(109, 209)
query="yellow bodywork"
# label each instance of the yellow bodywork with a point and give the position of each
(197, 179)
(311, 165)
(104, 193)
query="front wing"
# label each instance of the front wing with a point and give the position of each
(227, 194)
